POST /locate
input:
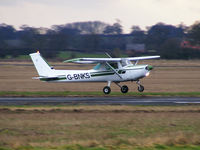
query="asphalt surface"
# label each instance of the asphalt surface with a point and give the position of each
(99, 100)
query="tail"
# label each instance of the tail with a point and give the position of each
(43, 69)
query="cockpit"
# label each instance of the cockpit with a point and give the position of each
(114, 65)
(104, 66)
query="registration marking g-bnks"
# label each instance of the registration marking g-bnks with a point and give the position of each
(78, 76)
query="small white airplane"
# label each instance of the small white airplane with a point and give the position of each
(107, 70)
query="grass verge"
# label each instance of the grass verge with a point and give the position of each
(121, 147)
(77, 93)
(99, 109)
(99, 128)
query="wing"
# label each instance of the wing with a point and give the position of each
(92, 60)
(101, 60)
(142, 58)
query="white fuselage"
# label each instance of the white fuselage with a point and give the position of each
(127, 73)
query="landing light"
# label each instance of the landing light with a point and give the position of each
(147, 74)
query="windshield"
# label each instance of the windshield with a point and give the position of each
(125, 62)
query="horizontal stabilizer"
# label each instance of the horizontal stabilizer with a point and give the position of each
(50, 78)
(44, 78)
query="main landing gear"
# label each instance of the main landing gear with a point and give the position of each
(124, 88)
(106, 89)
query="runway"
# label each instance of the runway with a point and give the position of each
(162, 101)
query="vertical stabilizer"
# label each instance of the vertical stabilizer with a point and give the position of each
(41, 65)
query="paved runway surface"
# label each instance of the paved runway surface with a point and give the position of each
(99, 100)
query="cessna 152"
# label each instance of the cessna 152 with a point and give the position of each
(107, 70)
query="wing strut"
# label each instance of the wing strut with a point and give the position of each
(136, 62)
(108, 55)
(114, 70)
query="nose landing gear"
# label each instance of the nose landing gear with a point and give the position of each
(140, 87)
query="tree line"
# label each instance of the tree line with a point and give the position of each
(96, 36)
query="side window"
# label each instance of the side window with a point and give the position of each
(97, 67)
(121, 71)
(114, 65)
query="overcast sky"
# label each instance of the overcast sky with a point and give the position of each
(45, 13)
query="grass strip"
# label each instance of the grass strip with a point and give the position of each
(98, 108)
(78, 93)
(118, 147)
(44, 128)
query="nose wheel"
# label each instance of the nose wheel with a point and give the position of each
(140, 87)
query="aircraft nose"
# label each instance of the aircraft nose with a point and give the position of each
(149, 67)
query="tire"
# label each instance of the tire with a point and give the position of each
(106, 90)
(124, 89)
(140, 88)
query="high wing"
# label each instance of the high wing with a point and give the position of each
(92, 60)
(142, 58)
(100, 60)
